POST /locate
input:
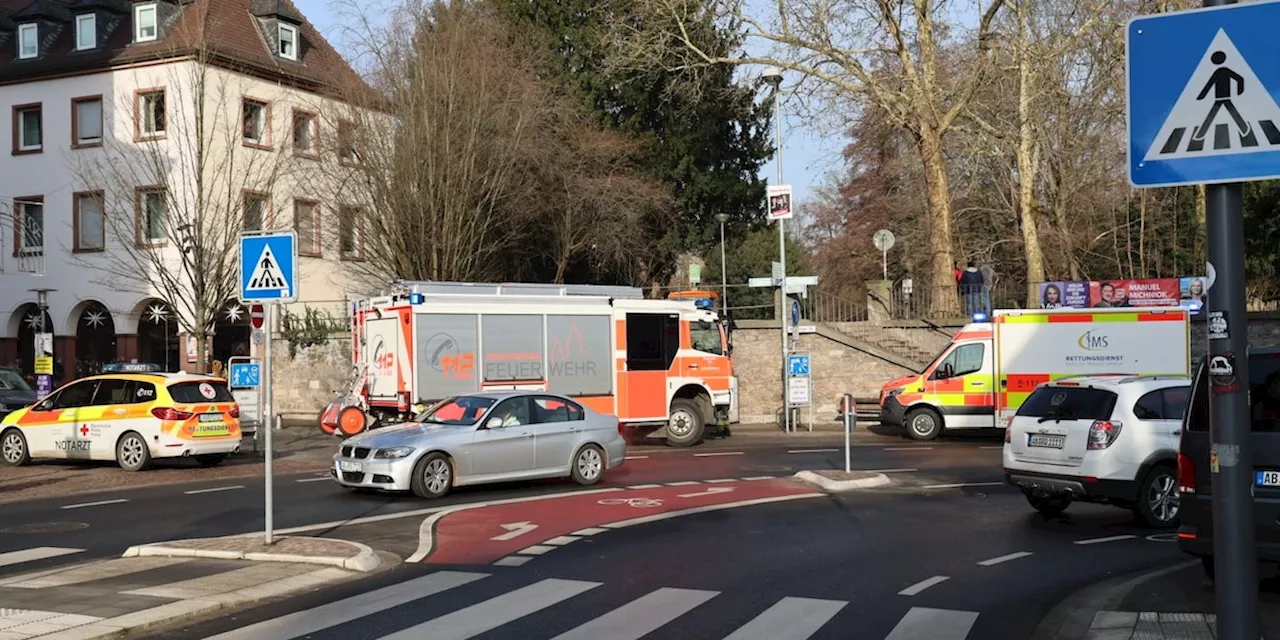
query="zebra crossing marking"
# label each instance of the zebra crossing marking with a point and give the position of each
(923, 623)
(496, 611)
(641, 617)
(790, 619)
(33, 554)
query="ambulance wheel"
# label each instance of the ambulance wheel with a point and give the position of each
(685, 426)
(132, 452)
(352, 421)
(13, 449)
(924, 424)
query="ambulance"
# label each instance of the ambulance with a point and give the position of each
(989, 369)
(652, 363)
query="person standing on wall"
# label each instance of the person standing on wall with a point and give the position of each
(971, 283)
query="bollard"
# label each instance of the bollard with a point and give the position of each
(849, 416)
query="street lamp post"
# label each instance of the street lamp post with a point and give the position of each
(773, 76)
(724, 279)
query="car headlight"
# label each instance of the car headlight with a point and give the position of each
(392, 453)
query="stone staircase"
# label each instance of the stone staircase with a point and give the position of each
(919, 345)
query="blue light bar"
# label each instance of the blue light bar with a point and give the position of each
(979, 317)
(416, 298)
(704, 303)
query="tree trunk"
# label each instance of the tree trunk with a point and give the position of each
(944, 302)
(202, 342)
(1028, 163)
(1202, 256)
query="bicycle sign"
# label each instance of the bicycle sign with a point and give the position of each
(639, 503)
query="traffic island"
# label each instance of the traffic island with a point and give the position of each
(343, 554)
(834, 481)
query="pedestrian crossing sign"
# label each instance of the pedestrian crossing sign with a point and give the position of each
(268, 267)
(1201, 101)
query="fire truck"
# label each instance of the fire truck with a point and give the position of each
(655, 364)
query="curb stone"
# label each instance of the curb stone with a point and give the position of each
(363, 560)
(868, 481)
(1072, 618)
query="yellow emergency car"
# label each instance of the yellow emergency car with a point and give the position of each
(131, 418)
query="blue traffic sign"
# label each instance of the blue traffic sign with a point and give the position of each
(798, 365)
(246, 374)
(1202, 96)
(795, 312)
(268, 267)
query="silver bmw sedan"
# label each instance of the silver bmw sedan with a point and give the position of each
(480, 438)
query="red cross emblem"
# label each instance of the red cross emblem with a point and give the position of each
(84, 430)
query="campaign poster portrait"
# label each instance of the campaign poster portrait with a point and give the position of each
(1051, 295)
(1155, 292)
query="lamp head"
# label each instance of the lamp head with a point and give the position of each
(722, 218)
(773, 76)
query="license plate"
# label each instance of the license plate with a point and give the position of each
(350, 466)
(1046, 441)
(208, 430)
(211, 417)
(1267, 479)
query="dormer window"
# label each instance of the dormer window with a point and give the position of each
(86, 31)
(288, 41)
(144, 22)
(28, 41)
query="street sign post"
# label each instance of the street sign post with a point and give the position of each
(1201, 111)
(788, 285)
(268, 276)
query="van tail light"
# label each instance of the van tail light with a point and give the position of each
(235, 412)
(169, 413)
(1102, 433)
(1186, 474)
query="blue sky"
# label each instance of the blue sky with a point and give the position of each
(806, 155)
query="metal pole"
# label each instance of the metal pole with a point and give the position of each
(724, 278)
(268, 422)
(884, 265)
(848, 427)
(783, 307)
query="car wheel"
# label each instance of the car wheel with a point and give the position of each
(1206, 563)
(132, 452)
(1158, 501)
(13, 449)
(432, 476)
(588, 465)
(211, 459)
(685, 426)
(1049, 505)
(924, 424)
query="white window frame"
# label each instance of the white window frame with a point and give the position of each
(23, 30)
(22, 129)
(75, 113)
(313, 131)
(261, 122)
(145, 197)
(138, 11)
(145, 113)
(24, 248)
(101, 237)
(91, 20)
(282, 29)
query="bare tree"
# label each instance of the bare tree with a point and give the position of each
(171, 181)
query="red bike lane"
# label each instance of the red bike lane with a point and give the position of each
(485, 534)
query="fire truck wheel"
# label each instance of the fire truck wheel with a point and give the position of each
(685, 426)
(432, 476)
(351, 421)
(924, 424)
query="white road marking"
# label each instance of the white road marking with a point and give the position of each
(922, 585)
(589, 531)
(1006, 558)
(908, 448)
(813, 450)
(302, 623)
(93, 504)
(711, 507)
(992, 446)
(645, 486)
(719, 453)
(1106, 539)
(683, 483)
(215, 489)
(512, 561)
(637, 458)
(958, 485)
(314, 479)
(641, 617)
(760, 478)
(711, 491)
(536, 550)
(35, 553)
(922, 623)
(789, 619)
(561, 540)
(495, 612)
(887, 470)
(515, 530)
(721, 480)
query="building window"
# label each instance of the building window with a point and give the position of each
(144, 22)
(347, 141)
(256, 127)
(350, 233)
(27, 129)
(86, 121)
(152, 209)
(90, 222)
(255, 210)
(30, 220)
(306, 225)
(306, 128)
(28, 41)
(86, 31)
(288, 41)
(150, 115)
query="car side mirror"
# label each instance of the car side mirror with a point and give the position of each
(493, 423)
(43, 405)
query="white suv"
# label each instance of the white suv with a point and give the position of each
(1106, 439)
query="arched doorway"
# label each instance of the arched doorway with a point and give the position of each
(158, 335)
(231, 332)
(95, 339)
(29, 324)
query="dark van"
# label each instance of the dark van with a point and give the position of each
(1195, 536)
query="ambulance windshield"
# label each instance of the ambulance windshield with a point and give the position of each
(706, 337)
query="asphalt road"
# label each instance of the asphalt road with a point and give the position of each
(907, 563)
(104, 524)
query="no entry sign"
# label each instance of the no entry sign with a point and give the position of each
(257, 315)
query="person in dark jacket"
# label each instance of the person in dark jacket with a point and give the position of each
(971, 284)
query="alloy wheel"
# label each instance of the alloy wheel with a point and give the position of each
(436, 476)
(589, 463)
